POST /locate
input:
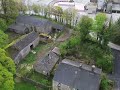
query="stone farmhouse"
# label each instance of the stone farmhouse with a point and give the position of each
(21, 48)
(47, 63)
(71, 75)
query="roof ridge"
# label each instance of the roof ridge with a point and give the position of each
(82, 66)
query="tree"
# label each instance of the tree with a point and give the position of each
(3, 25)
(7, 66)
(70, 46)
(69, 15)
(7, 62)
(7, 70)
(99, 26)
(9, 8)
(45, 10)
(22, 7)
(3, 39)
(6, 79)
(84, 27)
(57, 11)
(35, 8)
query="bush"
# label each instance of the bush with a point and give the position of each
(63, 48)
(106, 84)
(98, 55)
(70, 46)
(105, 62)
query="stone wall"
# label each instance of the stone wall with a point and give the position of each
(62, 86)
(116, 54)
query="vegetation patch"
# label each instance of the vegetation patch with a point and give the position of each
(42, 79)
(106, 84)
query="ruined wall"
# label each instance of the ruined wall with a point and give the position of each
(62, 86)
(116, 54)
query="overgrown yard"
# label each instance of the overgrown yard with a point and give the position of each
(42, 79)
(31, 58)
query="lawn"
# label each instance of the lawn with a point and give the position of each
(24, 86)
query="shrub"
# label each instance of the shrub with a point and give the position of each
(105, 62)
(106, 84)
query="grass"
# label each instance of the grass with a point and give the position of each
(31, 58)
(24, 86)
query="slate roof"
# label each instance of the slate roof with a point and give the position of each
(82, 78)
(17, 27)
(47, 63)
(114, 46)
(21, 44)
(34, 21)
(58, 26)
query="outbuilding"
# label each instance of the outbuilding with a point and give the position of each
(38, 24)
(21, 48)
(19, 28)
(47, 63)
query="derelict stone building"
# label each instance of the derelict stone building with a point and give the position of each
(47, 63)
(38, 24)
(20, 28)
(21, 48)
(26, 24)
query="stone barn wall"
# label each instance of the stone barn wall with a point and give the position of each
(116, 54)
(62, 86)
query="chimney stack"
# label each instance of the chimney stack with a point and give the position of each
(93, 68)
(80, 65)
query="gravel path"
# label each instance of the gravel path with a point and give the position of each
(65, 36)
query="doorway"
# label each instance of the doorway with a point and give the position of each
(31, 47)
